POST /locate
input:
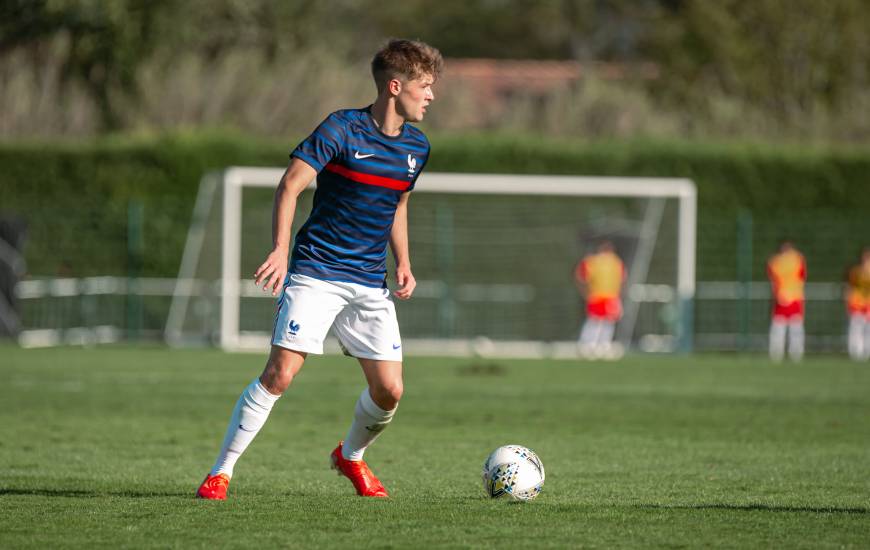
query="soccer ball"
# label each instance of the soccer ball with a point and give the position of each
(513, 471)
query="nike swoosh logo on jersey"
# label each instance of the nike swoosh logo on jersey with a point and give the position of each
(356, 155)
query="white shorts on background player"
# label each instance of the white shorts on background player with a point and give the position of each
(363, 318)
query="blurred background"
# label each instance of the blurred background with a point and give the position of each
(663, 69)
(111, 112)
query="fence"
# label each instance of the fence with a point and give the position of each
(139, 251)
(729, 316)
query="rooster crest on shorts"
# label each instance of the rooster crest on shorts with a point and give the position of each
(292, 327)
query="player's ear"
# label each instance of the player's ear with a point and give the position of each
(394, 86)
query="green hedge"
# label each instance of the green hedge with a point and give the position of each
(758, 178)
(75, 196)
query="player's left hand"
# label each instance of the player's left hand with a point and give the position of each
(406, 282)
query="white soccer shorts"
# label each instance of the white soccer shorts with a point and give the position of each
(363, 318)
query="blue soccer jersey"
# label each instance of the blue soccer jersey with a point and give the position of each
(362, 174)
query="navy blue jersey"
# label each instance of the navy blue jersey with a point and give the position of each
(362, 174)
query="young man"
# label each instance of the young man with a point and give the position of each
(858, 307)
(366, 162)
(599, 278)
(787, 271)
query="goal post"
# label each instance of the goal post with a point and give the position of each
(483, 241)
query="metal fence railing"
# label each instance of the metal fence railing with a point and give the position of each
(728, 316)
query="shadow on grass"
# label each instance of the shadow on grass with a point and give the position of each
(81, 493)
(758, 508)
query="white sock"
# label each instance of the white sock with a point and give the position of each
(605, 333)
(589, 333)
(866, 341)
(796, 340)
(856, 336)
(777, 340)
(369, 421)
(252, 410)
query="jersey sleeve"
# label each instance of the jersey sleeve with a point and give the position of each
(324, 144)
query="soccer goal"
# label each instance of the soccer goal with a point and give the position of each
(493, 255)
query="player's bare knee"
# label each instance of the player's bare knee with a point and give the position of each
(396, 391)
(275, 380)
(280, 370)
(388, 395)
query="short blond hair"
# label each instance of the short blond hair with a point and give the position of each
(408, 59)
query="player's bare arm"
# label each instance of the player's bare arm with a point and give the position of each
(295, 179)
(399, 245)
(580, 282)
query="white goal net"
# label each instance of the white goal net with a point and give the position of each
(493, 255)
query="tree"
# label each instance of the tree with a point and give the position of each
(787, 58)
(103, 43)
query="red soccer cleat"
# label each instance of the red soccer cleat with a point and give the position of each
(214, 487)
(357, 471)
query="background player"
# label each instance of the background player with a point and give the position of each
(787, 271)
(366, 162)
(599, 278)
(858, 307)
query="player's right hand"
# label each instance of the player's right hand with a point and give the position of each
(272, 272)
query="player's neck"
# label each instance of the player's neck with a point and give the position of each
(386, 118)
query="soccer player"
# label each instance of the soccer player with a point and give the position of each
(599, 278)
(366, 162)
(787, 271)
(858, 307)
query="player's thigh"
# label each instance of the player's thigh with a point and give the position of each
(306, 310)
(368, 328)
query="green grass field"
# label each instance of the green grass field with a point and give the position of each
(105, 448)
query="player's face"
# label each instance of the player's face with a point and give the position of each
(415, 97)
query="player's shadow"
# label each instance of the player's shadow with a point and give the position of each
(760, 507)
(83, 493)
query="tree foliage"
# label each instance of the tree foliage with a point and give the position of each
(793, 61)
(102, 43)
(786, 57)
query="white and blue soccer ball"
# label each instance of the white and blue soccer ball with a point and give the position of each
(514, 472)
